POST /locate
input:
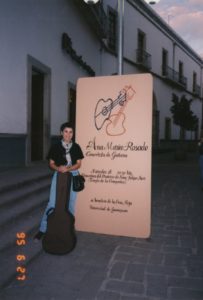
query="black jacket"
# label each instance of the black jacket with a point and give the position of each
(58, 154)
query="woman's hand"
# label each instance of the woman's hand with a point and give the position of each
(62, 169)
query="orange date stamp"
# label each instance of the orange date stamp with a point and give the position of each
(20, 257)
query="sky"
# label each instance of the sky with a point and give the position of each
(186, 18)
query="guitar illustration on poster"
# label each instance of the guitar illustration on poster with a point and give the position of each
(113, 123)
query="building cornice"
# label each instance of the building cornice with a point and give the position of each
(157, 21)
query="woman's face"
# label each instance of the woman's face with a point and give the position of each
(67, 134)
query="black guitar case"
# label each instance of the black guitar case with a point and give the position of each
(60, 237)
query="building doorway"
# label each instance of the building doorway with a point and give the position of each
(72, 106)
(39, 84)
(37, 113)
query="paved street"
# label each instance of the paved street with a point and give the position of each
(168, 266)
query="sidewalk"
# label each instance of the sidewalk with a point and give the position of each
(168, 266)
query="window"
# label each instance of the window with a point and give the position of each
(180, 71)
(141, 40)
(167, 129)
(164, 62)
(194, 84)
(141, 46)
(112, 29)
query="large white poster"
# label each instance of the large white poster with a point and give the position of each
(114, 129)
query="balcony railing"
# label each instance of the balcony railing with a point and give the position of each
(182, 80)
(174, 76)
(196, 90)
(143, 58)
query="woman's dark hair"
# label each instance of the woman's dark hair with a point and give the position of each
(66, 125)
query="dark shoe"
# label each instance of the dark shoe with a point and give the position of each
(39, 235)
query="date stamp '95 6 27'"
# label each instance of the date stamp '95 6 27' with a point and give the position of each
(20, 257)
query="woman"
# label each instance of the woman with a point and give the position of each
(63, 157)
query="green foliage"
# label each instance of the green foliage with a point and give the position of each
(182, 114)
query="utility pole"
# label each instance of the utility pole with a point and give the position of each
(120, 35)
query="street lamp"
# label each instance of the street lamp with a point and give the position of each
(120, 35)
(152, 1)
(91, 1)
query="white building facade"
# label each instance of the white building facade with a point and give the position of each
(46, 45)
